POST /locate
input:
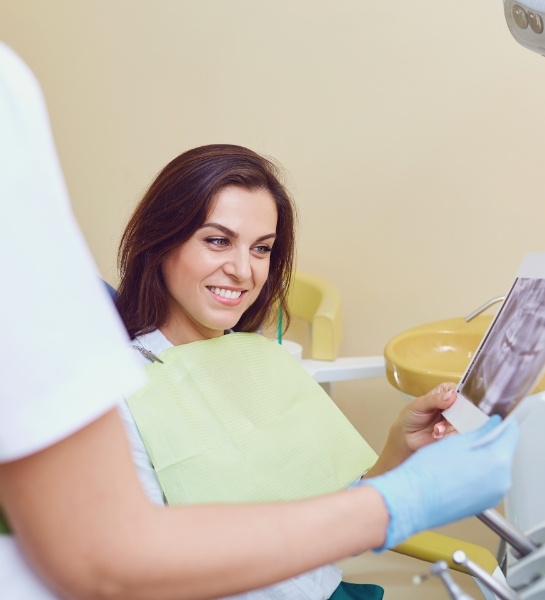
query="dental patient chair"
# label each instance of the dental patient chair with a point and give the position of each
(111, 290)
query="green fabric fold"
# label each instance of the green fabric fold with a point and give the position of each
(357, 591)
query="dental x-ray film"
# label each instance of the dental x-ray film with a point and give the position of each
(510, 359)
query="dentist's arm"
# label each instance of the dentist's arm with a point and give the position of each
(82, 519)
(80, 515)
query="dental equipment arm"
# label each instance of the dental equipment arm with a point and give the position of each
(440, 569)
(499, 589)
(520, 542)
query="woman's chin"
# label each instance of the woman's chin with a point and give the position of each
(220, 328)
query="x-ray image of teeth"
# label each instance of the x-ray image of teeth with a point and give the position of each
(512, 356)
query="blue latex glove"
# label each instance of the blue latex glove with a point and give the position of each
(448, 480)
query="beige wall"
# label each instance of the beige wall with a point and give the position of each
(412, 136)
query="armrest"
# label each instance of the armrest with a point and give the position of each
(431, 546)
(345, 368)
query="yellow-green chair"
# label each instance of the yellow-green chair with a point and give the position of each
(318, 303)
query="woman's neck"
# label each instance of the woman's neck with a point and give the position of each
(184, 333)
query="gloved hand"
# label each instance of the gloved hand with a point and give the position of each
(452, 479)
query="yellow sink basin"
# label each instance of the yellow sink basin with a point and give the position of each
(422, 357)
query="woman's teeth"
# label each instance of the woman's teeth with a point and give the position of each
(228, 294)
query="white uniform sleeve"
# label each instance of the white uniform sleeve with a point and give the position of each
(64, 356)
(146, 473)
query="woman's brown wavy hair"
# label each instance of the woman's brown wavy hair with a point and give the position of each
(174, 207)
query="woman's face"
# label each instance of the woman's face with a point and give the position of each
(214, 277)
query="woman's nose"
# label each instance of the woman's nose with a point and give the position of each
(238, 265)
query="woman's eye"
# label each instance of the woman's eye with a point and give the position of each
(217, 242)
(263, 249)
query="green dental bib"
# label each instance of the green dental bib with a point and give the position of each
(237, 419)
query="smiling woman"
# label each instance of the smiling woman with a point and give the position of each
(226, 418)
(226, 206)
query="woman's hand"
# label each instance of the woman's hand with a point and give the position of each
(419, 423)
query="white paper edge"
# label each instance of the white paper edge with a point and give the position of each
(533, 266)
(464, 416)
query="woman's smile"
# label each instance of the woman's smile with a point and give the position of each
(226, 295)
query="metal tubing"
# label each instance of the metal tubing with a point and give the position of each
(502, 591)
(482, 308)
(520, 542)
(440, 568)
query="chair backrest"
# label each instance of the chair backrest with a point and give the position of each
(318, 302)
(111, 290)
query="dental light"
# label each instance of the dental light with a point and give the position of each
(526, 22)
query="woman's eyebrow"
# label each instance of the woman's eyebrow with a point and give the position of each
(222, 228)
(233, 234)
(266, 237)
